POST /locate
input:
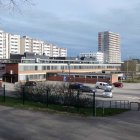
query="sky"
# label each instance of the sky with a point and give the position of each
(74, 24)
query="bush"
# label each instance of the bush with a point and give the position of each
(56, 94)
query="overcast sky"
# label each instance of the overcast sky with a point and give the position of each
(74, 24)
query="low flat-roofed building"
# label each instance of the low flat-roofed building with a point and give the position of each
(36, 67)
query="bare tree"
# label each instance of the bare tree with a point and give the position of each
(14, 4)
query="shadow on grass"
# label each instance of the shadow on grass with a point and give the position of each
(84, 111)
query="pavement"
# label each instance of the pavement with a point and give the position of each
(16, 124)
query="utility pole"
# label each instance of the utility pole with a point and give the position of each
(69, 70)
(127, 67)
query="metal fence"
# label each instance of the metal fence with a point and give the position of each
(68, 99)
(122, 104)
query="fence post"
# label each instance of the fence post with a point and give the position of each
(103, 108)
(78, 100)
(110, 104)
(115, 104)
(128, 105)
(23, 95)
(138, 106)
(4, 93)
(47, 92)
(94, 105)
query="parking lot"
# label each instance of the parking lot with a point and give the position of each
(130, 91)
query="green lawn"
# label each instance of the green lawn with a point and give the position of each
(17, 103)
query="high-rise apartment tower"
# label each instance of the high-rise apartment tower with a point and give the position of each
(109, 44)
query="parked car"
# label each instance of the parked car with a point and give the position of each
(82, 88)
(75, 86)
(103, 85)
(87, 89)
(30, 86)
(30, 83)
(118, 84)
(107, 93)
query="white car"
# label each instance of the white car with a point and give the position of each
(107, 93)
(103, 85)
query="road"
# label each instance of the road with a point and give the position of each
(30, 125)
(130, 91)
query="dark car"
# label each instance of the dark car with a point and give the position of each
(75, 86)
(82, 88)
(118, 84)
(30, 83)
(87, 89)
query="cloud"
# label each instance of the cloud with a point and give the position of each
(75, 24)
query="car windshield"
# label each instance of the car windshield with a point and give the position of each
(108, 85)
(107, 90)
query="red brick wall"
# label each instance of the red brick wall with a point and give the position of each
(13, 67)
(77, 79)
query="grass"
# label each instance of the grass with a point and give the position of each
(17, 103)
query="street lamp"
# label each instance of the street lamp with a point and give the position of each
(69, 70)
(94, 104)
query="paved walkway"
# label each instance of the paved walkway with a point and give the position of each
(16, 124)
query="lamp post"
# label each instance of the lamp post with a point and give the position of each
(94, 104)
(69, 70)
(69, 77)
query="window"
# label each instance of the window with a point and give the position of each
(36, 68)
(48, 67)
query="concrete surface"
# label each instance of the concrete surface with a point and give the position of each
(18, 124)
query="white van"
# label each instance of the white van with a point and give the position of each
(103, 85)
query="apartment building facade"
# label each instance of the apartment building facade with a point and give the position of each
(3, 45)
(109, 44)
(47, 49)
(40, 47)
(26, 44)
(63, 52)
(11, 43)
